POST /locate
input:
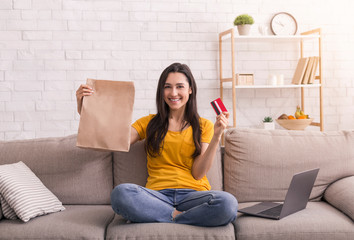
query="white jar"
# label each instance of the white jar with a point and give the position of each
(272, 80)
(280, 79)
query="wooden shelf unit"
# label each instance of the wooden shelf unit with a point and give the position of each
(229, 34)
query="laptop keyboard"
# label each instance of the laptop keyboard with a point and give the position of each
(274, 212)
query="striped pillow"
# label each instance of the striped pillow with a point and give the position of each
(8, 212)
(23, 194)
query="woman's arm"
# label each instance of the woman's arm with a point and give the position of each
(203, 162)
(134, 136)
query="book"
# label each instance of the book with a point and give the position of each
(313, 70)
(299, 71)
(307, 73)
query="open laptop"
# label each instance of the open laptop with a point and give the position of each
(296, 198)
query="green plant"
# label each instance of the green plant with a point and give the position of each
(268, 119)
(243, 19)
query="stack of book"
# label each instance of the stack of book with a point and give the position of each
(306, 69)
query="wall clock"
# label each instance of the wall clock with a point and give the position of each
(283, 23)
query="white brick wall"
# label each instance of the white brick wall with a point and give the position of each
(49, 47)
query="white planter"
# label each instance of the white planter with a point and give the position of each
(243, 29)
(269, 125)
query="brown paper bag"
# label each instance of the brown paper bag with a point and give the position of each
(106, 116)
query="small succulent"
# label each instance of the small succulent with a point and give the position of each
(268, 119)
(243, 19)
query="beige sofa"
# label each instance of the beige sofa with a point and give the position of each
(257, 166)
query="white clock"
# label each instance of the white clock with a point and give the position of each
(283, 23)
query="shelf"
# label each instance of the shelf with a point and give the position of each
(228, 83)
(275, 86)
(271, 37)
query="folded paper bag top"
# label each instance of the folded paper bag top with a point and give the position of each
(106, 116)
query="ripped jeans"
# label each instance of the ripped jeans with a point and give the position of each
(200, 208)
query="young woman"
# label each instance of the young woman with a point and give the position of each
(180, 149)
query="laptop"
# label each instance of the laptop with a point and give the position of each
(296, 198)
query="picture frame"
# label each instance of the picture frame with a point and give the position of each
(245, 79)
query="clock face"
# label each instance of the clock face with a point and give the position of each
(283, 24)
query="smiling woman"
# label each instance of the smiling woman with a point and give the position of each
(180, 148)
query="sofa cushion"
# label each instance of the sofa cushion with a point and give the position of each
(259, 164)
(120, 230)
(74, 175)
(215, 175)
(130, 167)
(76, 222)
(340, 194)
(319, 221)
(24, 194)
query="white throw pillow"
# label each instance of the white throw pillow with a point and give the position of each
(24, 193)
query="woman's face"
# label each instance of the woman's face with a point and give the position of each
(176, 90)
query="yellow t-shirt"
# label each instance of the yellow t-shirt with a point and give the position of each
(173, 167)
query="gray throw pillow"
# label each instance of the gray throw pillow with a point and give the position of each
(340, 195)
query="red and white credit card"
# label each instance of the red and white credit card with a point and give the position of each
(218, 106)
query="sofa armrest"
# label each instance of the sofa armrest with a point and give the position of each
(340, 194)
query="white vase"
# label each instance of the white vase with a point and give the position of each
(268, 125)
(244, 29)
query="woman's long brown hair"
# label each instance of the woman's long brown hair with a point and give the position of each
(158, 125)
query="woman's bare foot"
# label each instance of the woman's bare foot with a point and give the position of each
(175, 214)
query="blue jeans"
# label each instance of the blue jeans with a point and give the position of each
(201, 208)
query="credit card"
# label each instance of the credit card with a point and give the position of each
(218, 106)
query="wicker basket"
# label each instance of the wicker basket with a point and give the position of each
(294, 124)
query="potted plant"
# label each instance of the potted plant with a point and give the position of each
(268, 123)
(243, 23)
